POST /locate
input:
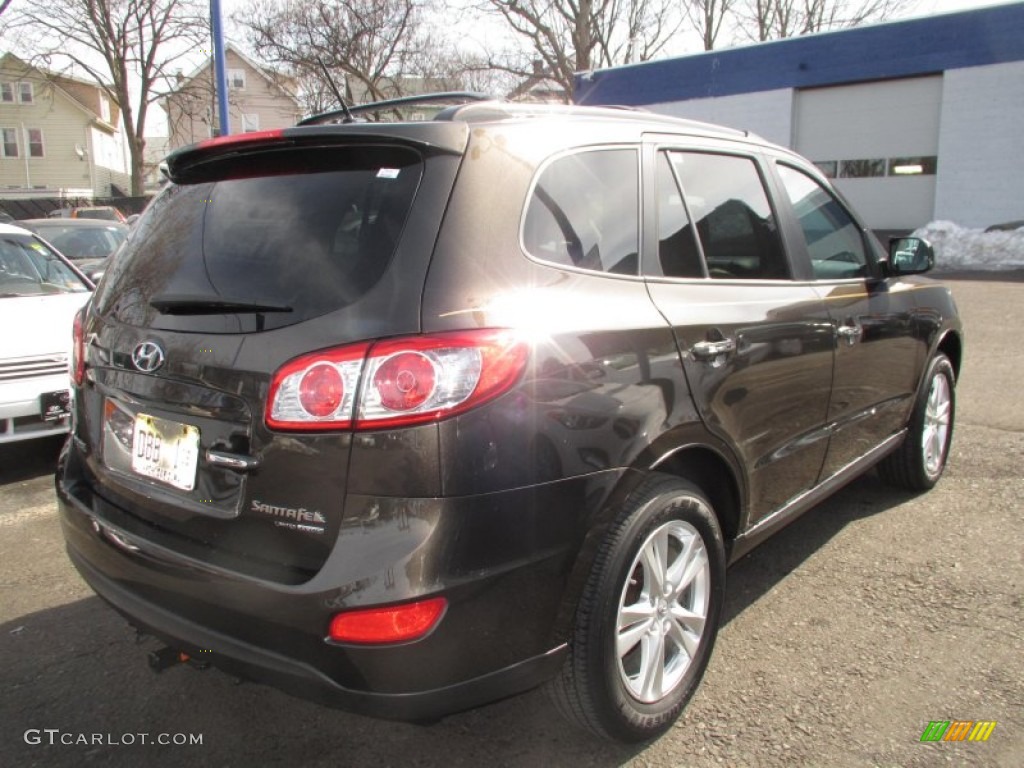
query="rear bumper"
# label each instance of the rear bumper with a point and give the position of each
(305, 681)
(502, 561)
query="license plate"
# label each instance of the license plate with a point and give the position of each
(55, 405)
(165, 450)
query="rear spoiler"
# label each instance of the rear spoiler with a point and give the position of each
(184, 164)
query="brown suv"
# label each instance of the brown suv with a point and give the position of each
(410, 417)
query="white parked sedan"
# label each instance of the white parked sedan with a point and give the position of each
(39, 296)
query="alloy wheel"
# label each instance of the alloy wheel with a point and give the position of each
(662, 611)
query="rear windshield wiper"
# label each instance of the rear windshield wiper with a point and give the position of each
(201, 305)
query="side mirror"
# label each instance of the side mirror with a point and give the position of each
(910, 256)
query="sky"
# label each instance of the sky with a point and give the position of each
(483, 36)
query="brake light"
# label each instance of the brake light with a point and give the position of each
(78, 349)
(403, 381)
(241, 138)
(321, 390)
(316, 391)
(394, 624)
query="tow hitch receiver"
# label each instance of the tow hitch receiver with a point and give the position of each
(165, 658)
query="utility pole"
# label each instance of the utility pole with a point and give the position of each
(219, 72)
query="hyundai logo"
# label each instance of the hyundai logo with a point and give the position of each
(148, 356)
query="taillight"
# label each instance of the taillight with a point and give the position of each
(403, 381)
(393, 624)
(321, 390)
(423, 378)
(78, 349)
(316, 391)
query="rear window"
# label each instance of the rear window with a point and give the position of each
(82, 242)
(305, 232)
(106, 214)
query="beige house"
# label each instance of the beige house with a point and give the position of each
(59, 136)
(258, 99)
(157, 148)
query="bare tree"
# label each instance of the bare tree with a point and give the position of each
(569, 36)
(707, 18)
(340, 49)
(775, 19)
(128, 46)
(448, 68)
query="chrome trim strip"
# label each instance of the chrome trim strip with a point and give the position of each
(796, 506)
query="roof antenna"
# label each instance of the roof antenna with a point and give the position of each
(344, 108)
(337, 94)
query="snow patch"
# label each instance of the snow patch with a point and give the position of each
(958, 248)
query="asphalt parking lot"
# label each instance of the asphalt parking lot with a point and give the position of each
(845, 635)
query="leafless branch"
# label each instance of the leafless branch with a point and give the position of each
(128, 47)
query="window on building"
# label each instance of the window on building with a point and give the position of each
(828, 167)
(35, 142)
(236, 79)
(859, 169)
(250, 123)
(25, 93)
(7, 93)
(913, 166)
(583, 212)
(735, 222)
(104, 108)
(9, 142)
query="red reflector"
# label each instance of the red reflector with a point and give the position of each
(240, 138)
(394, 624)
(78, 349)
(321, 390)
(405, 381)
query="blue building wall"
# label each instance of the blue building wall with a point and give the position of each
(894, 50)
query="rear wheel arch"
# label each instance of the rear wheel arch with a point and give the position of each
(715, 476)
(646, 622)
(706, 467)
(951, 346)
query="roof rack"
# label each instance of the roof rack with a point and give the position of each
(346, 114)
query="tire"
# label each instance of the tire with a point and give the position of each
(918, 463)
(666, 527)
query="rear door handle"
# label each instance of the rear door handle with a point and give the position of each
(709, 350)
(851, 333)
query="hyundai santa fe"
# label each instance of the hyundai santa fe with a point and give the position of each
(409, 417)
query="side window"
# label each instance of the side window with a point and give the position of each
(677, 244)
(584, 212)
(834, 240)
(734, 219)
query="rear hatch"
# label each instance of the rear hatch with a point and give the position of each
(267, 247)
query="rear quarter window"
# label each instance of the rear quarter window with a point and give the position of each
(583, 212)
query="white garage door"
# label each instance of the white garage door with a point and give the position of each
(880, 140)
